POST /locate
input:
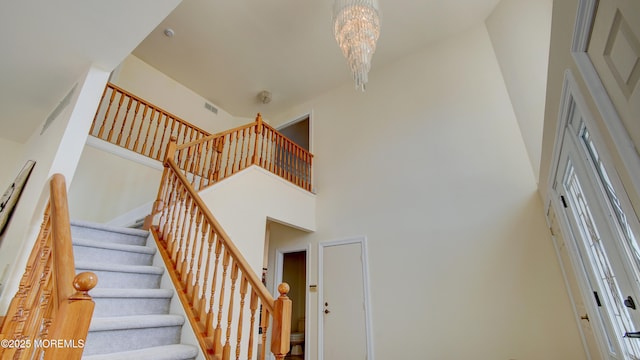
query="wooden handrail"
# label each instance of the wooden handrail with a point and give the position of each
(230, 246)
(223, 297)
(135, 124)
(215, 157)
(52, 303)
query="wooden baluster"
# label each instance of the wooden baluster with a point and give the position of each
(243, 294)
(155, 134)
(201, 301)
(310, 186)
(115, 118)
(188, 134)
(218, 166)
(133, 122)
(289, 160)
(192, 287)
(257, 131)
(179, 129)
(188, 168)
(186, 199)
(217, 335)
(106, 115)
(297, 166)
(95, 117)
(211, 157)
(143, 120)
(164, 132)
(242, 153)
(233, 150)
(281, 323)
(175, 219)
(210, 314)
(171, 134)
(253, 307)
(169, 203)
(146, 137)
(269, 151)
(226, 354)
(197, 166)
(280, 158)
(265, 326)
(205, 157)
(124, 120)
(289, 147)
(185, 269)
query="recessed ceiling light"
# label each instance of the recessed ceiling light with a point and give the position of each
(168, 32)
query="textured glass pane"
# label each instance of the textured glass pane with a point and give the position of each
(633, 250)
(597, 255)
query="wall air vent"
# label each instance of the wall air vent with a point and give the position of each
(61, 106)
(211, 108)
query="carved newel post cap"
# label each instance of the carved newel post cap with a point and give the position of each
(283, 289)
(173, 138)
(85, 281)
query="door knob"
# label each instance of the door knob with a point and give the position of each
(584, 317)
(326, 311)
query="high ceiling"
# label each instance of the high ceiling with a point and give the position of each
(229, 51)
(226, 51)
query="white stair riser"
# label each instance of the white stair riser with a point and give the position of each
(78, 232)
(102, 342)
(95, 254)
(130, 306)
(114, 279)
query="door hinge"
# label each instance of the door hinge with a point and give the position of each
(595, 295)
(564, 202)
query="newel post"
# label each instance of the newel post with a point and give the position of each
(281, 323)
(258, 131)
(71, 325)
(157, 205)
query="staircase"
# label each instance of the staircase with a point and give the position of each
(131, 319)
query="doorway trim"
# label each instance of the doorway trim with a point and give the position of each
(280, 252)
(362, 240)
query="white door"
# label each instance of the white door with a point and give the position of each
(584, 316)
(343, 316)
(600, 244)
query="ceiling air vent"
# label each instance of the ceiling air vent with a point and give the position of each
(211, 108)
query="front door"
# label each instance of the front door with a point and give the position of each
(584, 316)
(343, 305)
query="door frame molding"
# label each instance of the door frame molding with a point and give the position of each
(278, 279)
(362, 240)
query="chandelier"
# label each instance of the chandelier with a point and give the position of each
(356, 26)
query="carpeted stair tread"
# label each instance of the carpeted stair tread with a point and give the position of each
(131, 293)
(109, 228)
(114, 246)
(141, 269)
(167, 352)
(134, 322)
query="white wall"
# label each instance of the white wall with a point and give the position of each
(430, 165)
(139, 78)
(243, 202)
(56, 150)
(520, 33)
(10, 161)
(106, 186)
